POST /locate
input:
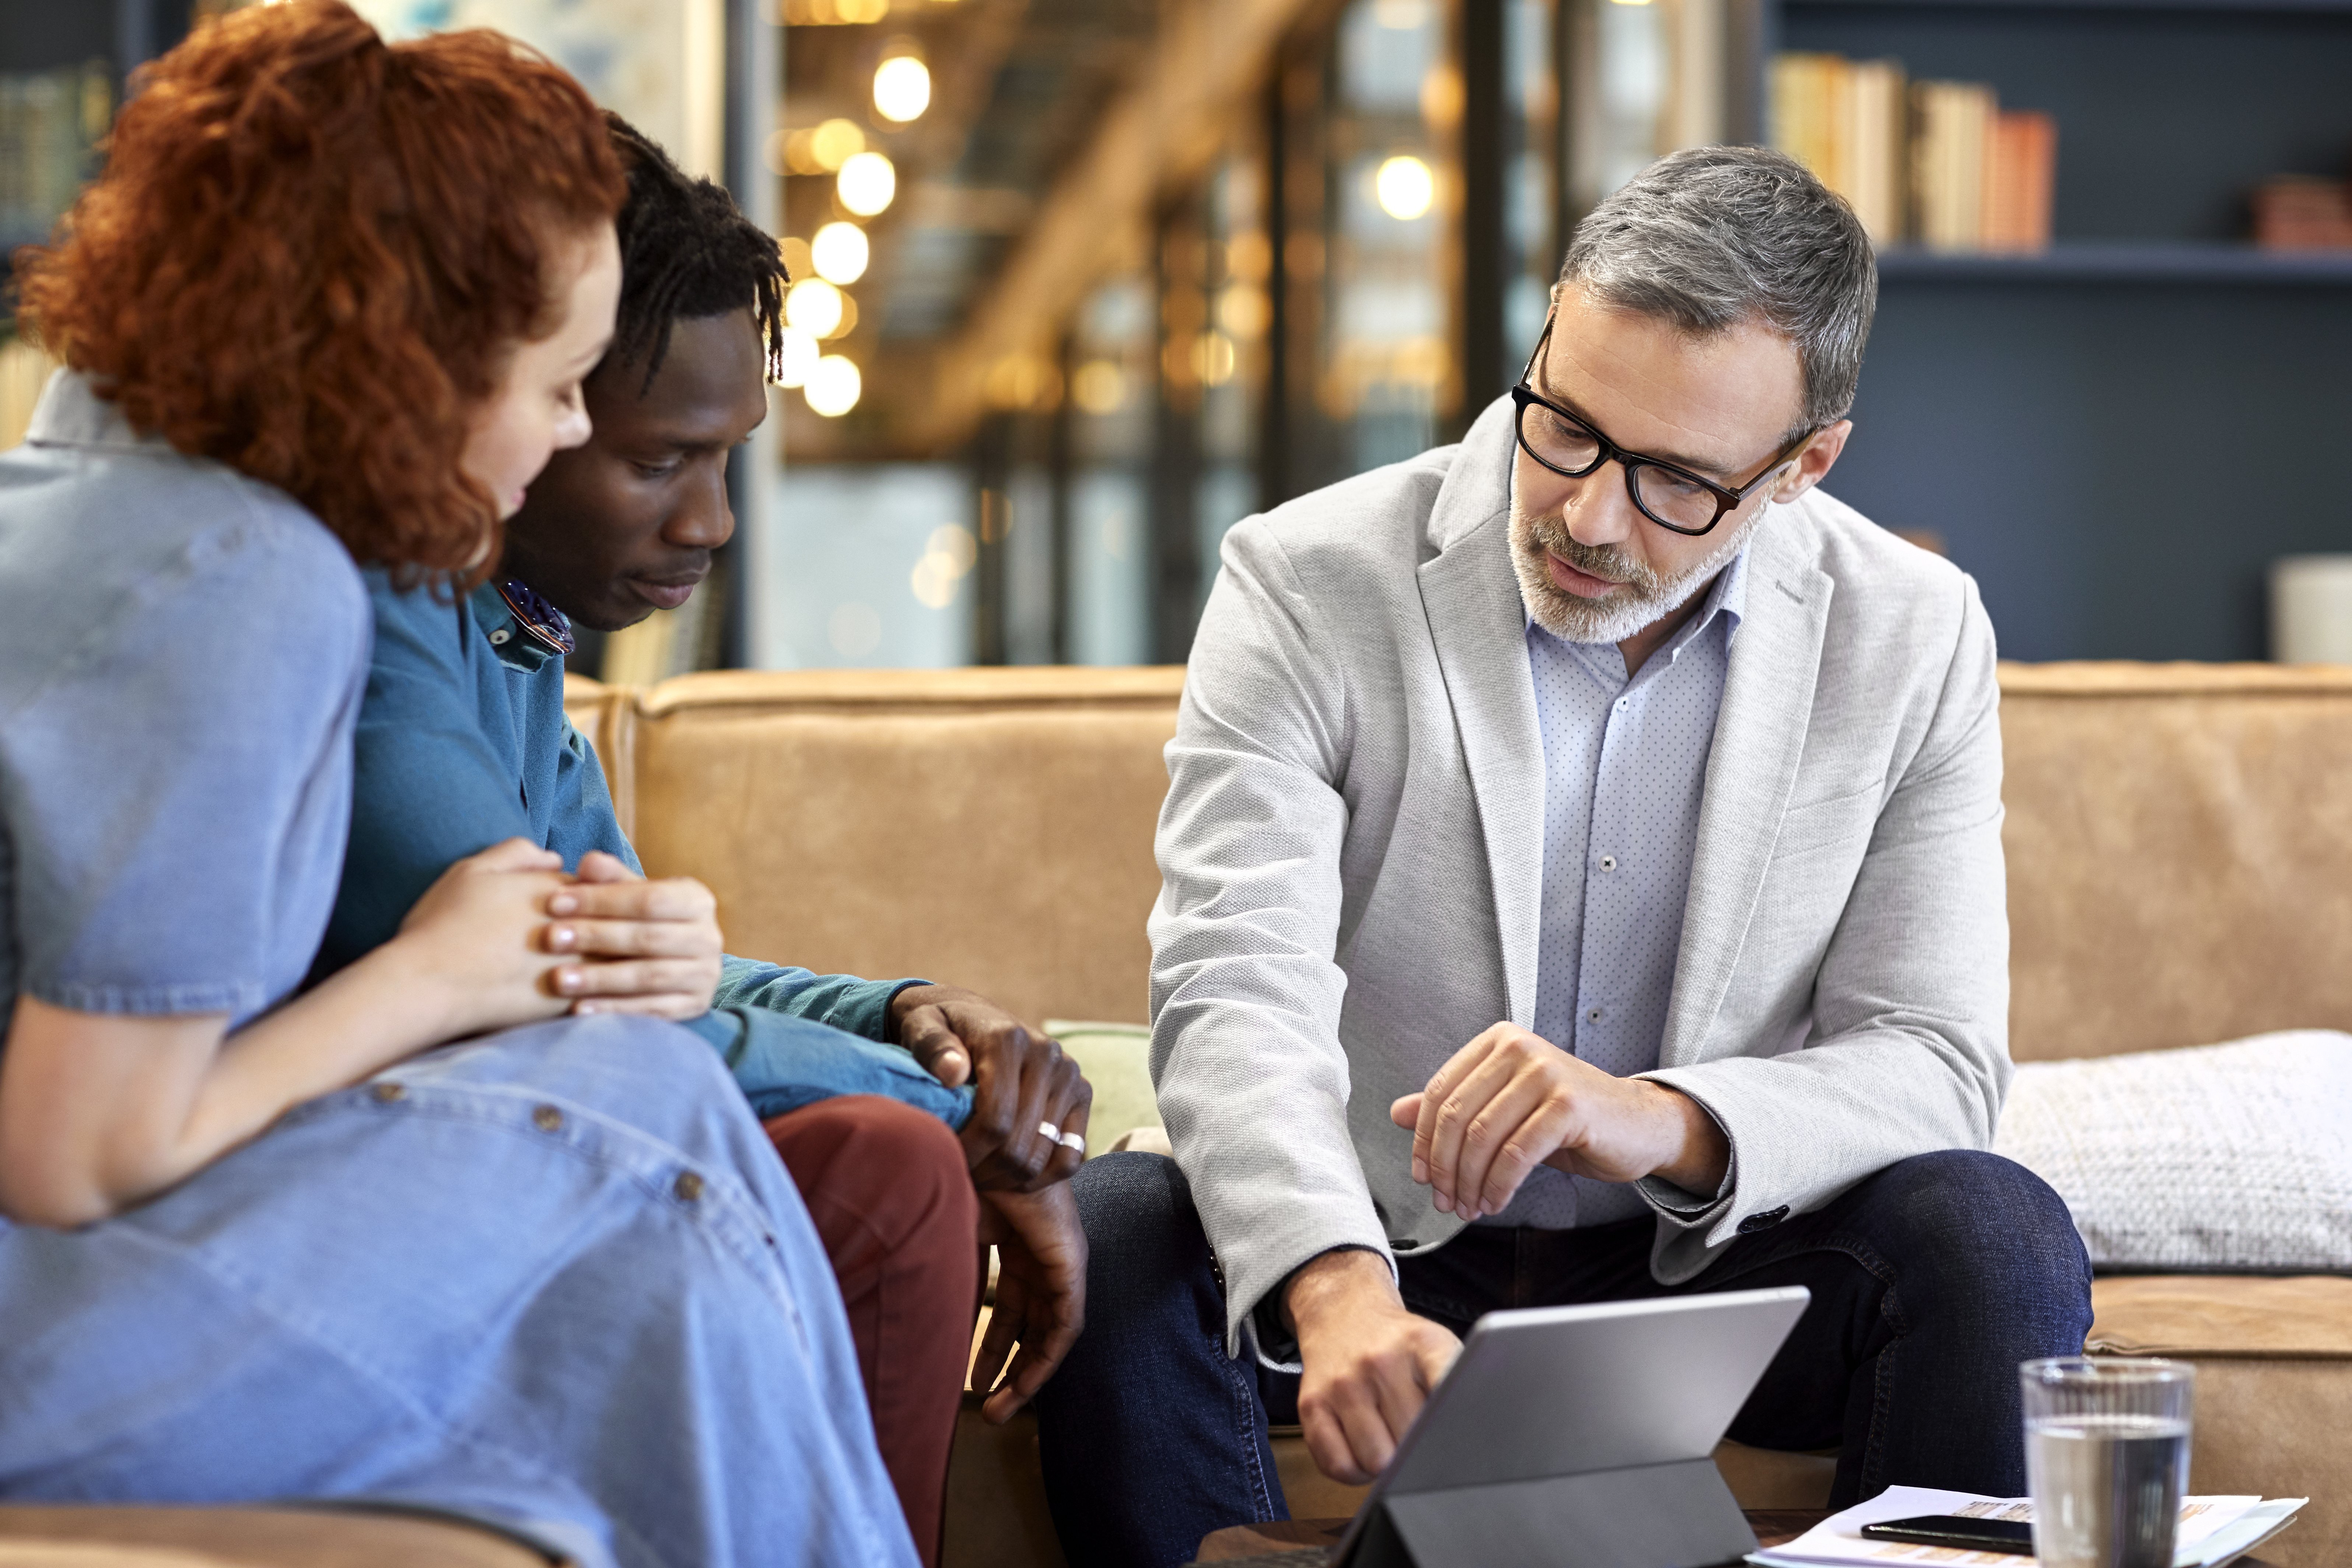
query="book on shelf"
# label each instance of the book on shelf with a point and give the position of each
(1937, 164)
(2300, 212)
(50, 124)
(2020, 180)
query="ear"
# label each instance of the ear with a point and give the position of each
(1814, 462)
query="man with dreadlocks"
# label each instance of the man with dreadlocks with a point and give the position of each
(908, 1113)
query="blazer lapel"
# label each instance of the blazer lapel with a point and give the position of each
(1479, 626)
(1759, 738)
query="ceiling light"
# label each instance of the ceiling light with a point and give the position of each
(840, 253)
(813, 306)
(902, 89)
(1099, 388)
(833, 387)
(866, 183)
(834, 143)
(797, 355)
(1405, 187)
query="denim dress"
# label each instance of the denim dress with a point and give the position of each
(554, 1279)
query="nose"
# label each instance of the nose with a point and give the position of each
(704, 519)
(1600, 510)
(573, 428)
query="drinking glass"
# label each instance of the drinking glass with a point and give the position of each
(2106, 1458)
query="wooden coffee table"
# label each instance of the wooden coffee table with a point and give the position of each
(1773, 1527)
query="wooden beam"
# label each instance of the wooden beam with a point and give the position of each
(1202, 73)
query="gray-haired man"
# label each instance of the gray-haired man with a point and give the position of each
(1609, 725)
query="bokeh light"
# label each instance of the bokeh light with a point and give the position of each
(813, 306)
(902, 89)
(833, 387)
(866, 183)
(799, 354)
(1405, 187)
(840, 253)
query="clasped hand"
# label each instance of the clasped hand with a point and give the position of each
(510, 938)
(1510, 1100)
(1022, 1083)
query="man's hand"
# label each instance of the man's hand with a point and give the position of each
(1019, 1080)
(1041, 1294)
(652, 947)
(1370, 1363)
(1510, 1099)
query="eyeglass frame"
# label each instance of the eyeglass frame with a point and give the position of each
(1726, 500)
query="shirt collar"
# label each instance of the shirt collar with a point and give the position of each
(71, 414)
(522, 628)
(1726, 596)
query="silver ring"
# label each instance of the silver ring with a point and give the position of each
(1048, 1131)
(1073, 1141)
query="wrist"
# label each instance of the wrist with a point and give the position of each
(1335, 1282)
(1695, 1155)
(422, 1004)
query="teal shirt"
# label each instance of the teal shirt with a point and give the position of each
(463, 743)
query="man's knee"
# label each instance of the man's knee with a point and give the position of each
(899, 1168)
(1144, 1240)
(1980, 1226)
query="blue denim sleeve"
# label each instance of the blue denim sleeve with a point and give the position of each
(781, 1062)
(175, 776)
(427, 789)
(843, 1001)
(582, 818)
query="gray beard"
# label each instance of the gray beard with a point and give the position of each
(1646, 599)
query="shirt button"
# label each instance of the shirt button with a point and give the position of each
(1594, 1017)
(385, 1093)
(547, 1118)
(1609, 862)
(688, 1186)
(500, 635)
(1622, 703)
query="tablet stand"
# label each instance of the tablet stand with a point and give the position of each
(1677, 1515)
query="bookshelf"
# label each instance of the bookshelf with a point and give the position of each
(2125, 261)
(2116, 436)
(116, 37)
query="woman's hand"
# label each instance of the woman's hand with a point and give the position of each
(477, 940)
(654, 946)
(1041, 1293)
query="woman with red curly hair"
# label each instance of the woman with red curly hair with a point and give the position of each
(330, 305)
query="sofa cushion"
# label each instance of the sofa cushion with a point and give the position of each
(123, 1536)
(1117, 1060)
(2179, 848)
(2273, 1362)
(988, 827)
(2231, 1156)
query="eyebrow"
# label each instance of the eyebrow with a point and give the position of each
(1710, 470)
(592, 360)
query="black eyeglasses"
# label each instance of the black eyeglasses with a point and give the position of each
(1673, 498)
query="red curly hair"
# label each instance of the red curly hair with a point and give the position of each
(312, 253)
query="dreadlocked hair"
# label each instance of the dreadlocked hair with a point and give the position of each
(686, 251)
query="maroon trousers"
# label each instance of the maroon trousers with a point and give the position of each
(893, 1204)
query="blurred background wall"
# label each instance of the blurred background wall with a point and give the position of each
(1083, 282)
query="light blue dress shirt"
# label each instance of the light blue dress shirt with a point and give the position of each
(1625, 772)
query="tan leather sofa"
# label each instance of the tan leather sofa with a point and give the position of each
(2180, 872)
(2180, 847)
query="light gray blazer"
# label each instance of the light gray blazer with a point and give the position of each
(1351, 855)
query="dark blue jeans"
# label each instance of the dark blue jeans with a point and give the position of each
(1931, 1281)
